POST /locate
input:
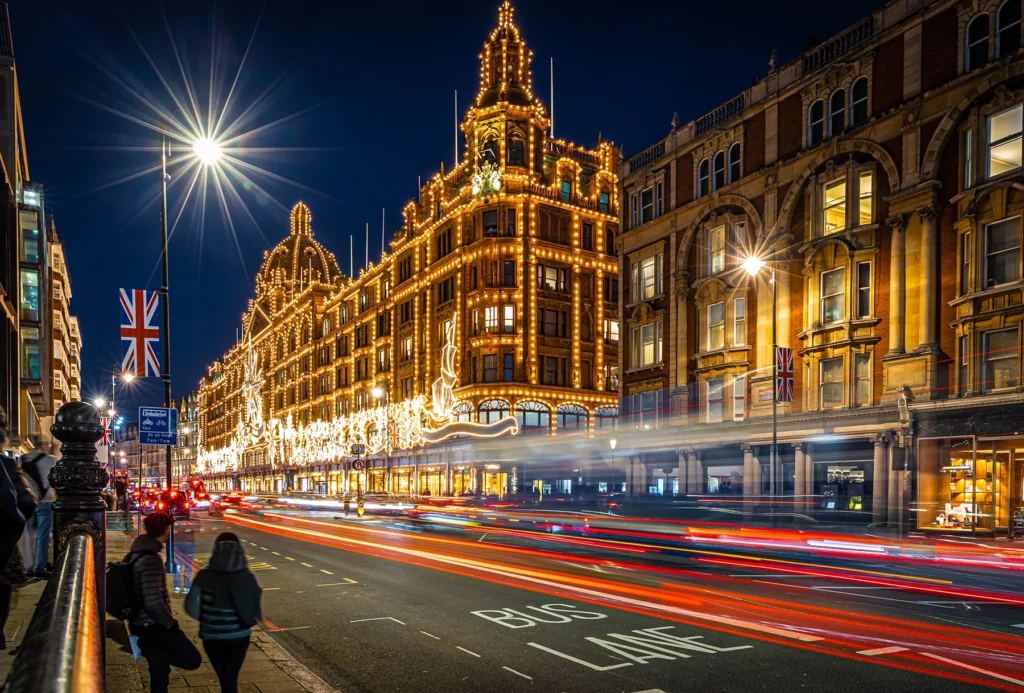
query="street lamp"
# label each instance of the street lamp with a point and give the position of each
(99, 402)
(753, 266)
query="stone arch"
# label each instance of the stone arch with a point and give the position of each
(845, 147)
(946, 127)
(713, 203)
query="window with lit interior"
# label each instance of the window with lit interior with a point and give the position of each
(1004, 141)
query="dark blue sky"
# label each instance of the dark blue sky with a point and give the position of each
(372, 86)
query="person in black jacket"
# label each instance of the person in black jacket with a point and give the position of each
(12, 569)
(225, 599)
(160, 639)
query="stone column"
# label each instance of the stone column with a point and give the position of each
(893, 488)
(928, 308)
(694, 483)
(808, 471)
(800, 474)
(78, 479)
(758, 486)
(897, 285)
(748, 472)
(880, 485)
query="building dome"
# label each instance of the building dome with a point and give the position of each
(297, 261)
(505, 65)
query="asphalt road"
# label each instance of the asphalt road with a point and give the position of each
(383, 605)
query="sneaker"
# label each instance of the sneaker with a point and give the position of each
(184, 590)
(177, 590)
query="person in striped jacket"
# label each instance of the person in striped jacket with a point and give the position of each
(225, 599)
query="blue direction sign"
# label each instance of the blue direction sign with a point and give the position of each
(158, 426)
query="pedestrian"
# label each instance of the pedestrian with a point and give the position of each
(184, 556)
(119, 491)
(37, 465)
(159, 637)
(225, 599)
(12, 572)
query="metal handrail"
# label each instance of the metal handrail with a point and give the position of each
(63, 647)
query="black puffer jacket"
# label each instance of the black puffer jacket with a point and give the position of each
(150, 583)
(225, 597)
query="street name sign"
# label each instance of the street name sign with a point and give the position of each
(158, 426)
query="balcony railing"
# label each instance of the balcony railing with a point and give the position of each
(720, 115)
(647, 158)
(839, 46)
(574, 153)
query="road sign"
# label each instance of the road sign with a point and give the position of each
(358, 464)
(158, 426)
(357, 449)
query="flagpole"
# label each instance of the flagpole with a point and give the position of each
(775, 400)
(366, 247)
(351, 261)
(166, 335)
(382, 234)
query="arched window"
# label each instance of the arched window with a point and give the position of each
(493, 410)
(719, 170)
(703, 178)
(491, 147)
(977, 42)
(572, 416)
(815, 123)
(305, 334)
(606, 418)
(734, 163)
(516, 152)
(533, 416)
(859, 101)
(1008, 32)
(463, 412)
(327, 325)
(837, 113)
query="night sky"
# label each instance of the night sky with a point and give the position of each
(367, 90)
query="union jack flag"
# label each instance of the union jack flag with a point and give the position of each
(105, 422)
(140, 334)
(784, 373)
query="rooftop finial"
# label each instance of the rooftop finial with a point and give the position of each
(773, 61)
(505, 15)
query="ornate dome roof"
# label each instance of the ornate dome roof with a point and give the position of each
(297, 260)
(505, 65)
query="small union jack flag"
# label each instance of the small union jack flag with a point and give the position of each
(784, 374)
(140, 334)
(105, 422)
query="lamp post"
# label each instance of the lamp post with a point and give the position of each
(380, 394)
(753, 266)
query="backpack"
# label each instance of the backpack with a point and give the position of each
(123, 601)
(30, 463)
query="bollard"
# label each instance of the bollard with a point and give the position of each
(78, 478)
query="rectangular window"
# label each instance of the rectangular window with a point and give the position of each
(609, 240)
(1002, 359)
(491, 318)
(965, 264)
(566, 191)
(863, 289)
(647, 205)
(551, 278)
(834, 206)
(30, 353)
(611, 331)
(659, 199)
(510, 223)
(968, 158)
(716, 249)
(490, 368)
(866, 198)
(550, 371)
(634, 203)
(1002, 252)
(831, 386)
(1004, 141)
(508, 319)
(550, 318)
(602, 203)
(490, 223)
(716, 325)
(716, 400)
(647, 344)
(739, 398)
(30, 243)
(611, 290)
(645, 407)
(739, 322)
(833, 295)
(29, 294)
(509, 275)
(508, 367)
(588, 236)
(862, 367)
(476, 321)
(964, 381)
(648, 277)
(407, 348)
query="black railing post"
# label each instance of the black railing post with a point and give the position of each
(78, 478)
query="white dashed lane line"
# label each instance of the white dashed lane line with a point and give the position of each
(307, 565)
(467, 651)
(882, 651)
(288, 558)
(275, 553)
(429, 635)
(326, 572)
(518, 673)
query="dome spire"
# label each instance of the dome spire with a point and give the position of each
(505, 65)
(301, 220)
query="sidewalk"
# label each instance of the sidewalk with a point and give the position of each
(267, 669)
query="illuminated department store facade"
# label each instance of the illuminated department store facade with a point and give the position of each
(494, 315)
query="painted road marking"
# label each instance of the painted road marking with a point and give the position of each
(275, 553)
(993, 674)
(288, 558)
(771, 575)
(1017, 625)
(332, 584)
(267, 589)
(882, 651)
(379, 618)
(560, 613)
(429, 635)
(263, 548)
(278, 630)
(467, 651)
(307, 565)
(518, 673)
(326, 572)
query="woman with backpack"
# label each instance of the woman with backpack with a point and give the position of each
(225, 599)
(12, 571)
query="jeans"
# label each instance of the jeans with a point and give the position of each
(226, 657)
(164, 648)
(184, 555)
(44, 527)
